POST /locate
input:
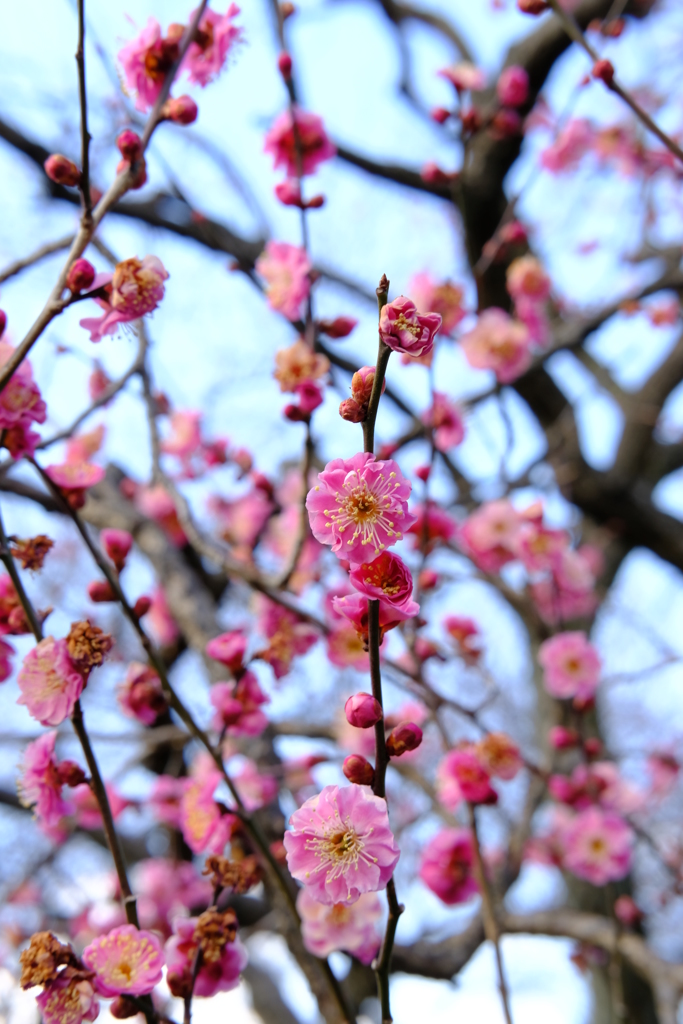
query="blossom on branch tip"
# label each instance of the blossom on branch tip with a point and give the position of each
(134, 289)
(362, 710)
(21, 404)
(208, 51)
(219, 972)
(238, 706)
(431, 526)
(447, 866)
(229, 649)
(147, 59)
(310, 141)
(350, 928)
(388, 579)
(286, 270)
(141, 694)
(127, 961)
(49, 683)
(117, 544)
(340, 845)
(357, 769)
(598, 846)
(405, 330)
(80, 277)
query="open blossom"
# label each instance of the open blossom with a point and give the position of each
(286, 271)
(489, 535)
(141, 695)
(569, 592)
(243, 519)
(351, 928)
(68, 998)
(40, 783)
(499, 755)
(135, 289)
(313, 143)
(359, 506)
(219, 972)
(127, 961)
(597, 783)
(74, 479)
(49, 683)
(598, 846)
(229, 649)
(498, 343)
(467, 637)
(21, 404)
(205, 828)
(186, 435)
(464, 76)
(527, 279)
(145, 61)
(340, 845)
(345, 648)
(165, 799)
(297, 364)
(462, 776)
(405, 330)
(571, 665)
(238, 707)
(387, 579)
(446, 420)
(256, 789)
(447, 866)
(207, 53)
(288, 635)
(444, 298)
(431, 526)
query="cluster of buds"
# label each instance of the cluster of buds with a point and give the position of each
(355, 409)
(130, 147)
(117, 545)
(363, 711)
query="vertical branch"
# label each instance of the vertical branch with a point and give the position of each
(85, 135)
(8, 561)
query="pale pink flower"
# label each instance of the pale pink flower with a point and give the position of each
(220, 975)
(664, 770)
(40, 784)
(444, 299)
(447, 866)
(569, 592)
(127, 961)
(465, 76)
(229, 649)
(68, 999)
(359, 506)
(165, 888)
(207, 53)
(165, 799)
(145, 61)
(156, 503)
(160, 621)
(351, 928)
(186, 436)
(462, 776)
(340, 845)
(298, 363)
(135, 289)
(569, 148)
(498, 343)
(446, 420)
(405, 330)
(431, 527)
(490, 535)
(571, 665)
(286, 271)
(243, 519)
(527, 279)
(513, 86)
(598, 846)
(238, 707)
(314, 145)
(205, 828)
(499, 755)
(141, 695)
(255, 788)
(387, 578)
(534, 317)
(49, 683)
(538, 547)
(20, 405)
(467, 636)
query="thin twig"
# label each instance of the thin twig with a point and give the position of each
(27, 261)
(85, 135)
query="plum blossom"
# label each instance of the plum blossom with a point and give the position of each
(499, 755)
(386, 579)
(462, 776)
(238, 707)
(288, 635)
(49, 683)
(527, 279)
(229, 648)
(68, 998)
(444, 298)
(281, 142)
(207, 53)
(145, 61)
(286, 270)
(598, 846)
(446, 420)
(87, 809)
(165, 799)
(40, 783)
(498, 343)
(354, 607)
(21, 404)
(219, 972)
(256, 789)
(134, 289)
(186, 435)
(405, 330)
(340, 845)
(352, 928)
(297, 364)
(364, 498)
(571, 665)
(165, 888)
(467, 636)
(205, 828)
(513, 86)
(141, 695)
(431, 526)
(569, 148)
(489, 535)
(447, 866)
(127, 961)
(345, 648)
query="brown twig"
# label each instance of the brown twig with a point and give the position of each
(85, 135)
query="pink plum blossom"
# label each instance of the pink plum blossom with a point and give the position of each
(49, 683)
(446, 420)
(490, 535)
(69, 998)
(498, 343)
(145, 61)
(445, 299)
(462, 776)
(243, 519)
(569, 148)
(40, 784)
(513, 86)
(387, 578)
(447, 866)
(340, 845)
(467, 636)
(229, 648)
(205, 828)
(166, 887)
(288, 636)
(219, 975)
(431, 526)
(499, 755)
(87, 809)
(286, 270)
(345, 648)
(405, 330)
(364, 498)
(141, 695)
(527, 279)
(238, 707)
(207, 53)
(156, 503)
(571, 665)
(313, 143)
(465, 76)
(160, 621)
(165, 799)
(186, 436)
(135, 289)
(352, 928)
(598, 846)
(354, 607)
(21, 404)
(127, 961)
(256, 789)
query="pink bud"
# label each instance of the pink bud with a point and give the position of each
(604, 70)
(513, 86)
(310, 396)
(287, 9)
(142, 606)
(426, 648)
(351, 411)
(505, 124)
(100, 591)
(562, 738)
(3, 322)
(242, 458)
(295, 413)
(358, 770)
(422, 473)
(340, 327)
(130, 145)
(81, 275)
(513, 233)
(439, 114)
(182, 110)
(361, 384)
(289, 193)
(117, 544)
(70, 774)
(427, 579)
(532, 6)
(140, 175)
(314, 203)
(592, 747)
(362, 710)
(406, 736)
(61, 170)
(471, 121)
(627, 911)
(284, 63)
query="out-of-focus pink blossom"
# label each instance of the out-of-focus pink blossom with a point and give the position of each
(288, 636)
(467, 636)
(345, 648)
(81, 275)
(444, 298)
(243, 519)
(87, 809)
(499, 755)
(165, 888)
(49, 683)
(310, 396)
(229, 648)
(598, 846)
(527, 279)
(160, 621)
(489, 536)
(498, 343)
(465, 76)
(165, 799)
(664, 770)
(40, 783)
(405, 330)
(286, 270)
(298, 363)
(127, 961)
(447, 866)
(462, 776)
(431, 526)
(354, 607)
(186, 435)
(21, 404)
(238, 707)
(446, 420)
(340, 846)
(135, 289)
(569, 148)
(350, 928)
(513, 86)
(205, 828)
(180, 110)
(219, 975)
(141, 695)
(117, 544)
(256, 789)
(571, 665)
(310, 140)
(68, 999)
(208, 51)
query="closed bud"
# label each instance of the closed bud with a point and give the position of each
(434, 175)
(139, 175)
(182, 110)
(61, 170)
(358, 770)
(361, 384)
(70, 774)
(284, 63)
(406, 736)
(351, 411)
(422, 472)
(130, 145)
(426, 649)
(340, 327)
(117, 544)
(100, 591)
(604, 70)
(439, 114)
(3, 322)
(592, 747)
(532, 6)
(123, 1007)
(287, 9)
(81, 275)
(295, 413)
(314, 203)
(471, 120)
(562, 738)
(627, 911)
(289, 193)
(362, 710)
(142, 606)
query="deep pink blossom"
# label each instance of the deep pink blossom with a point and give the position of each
(127, 961)
(229, 648)
(165, 799)
(490, 535)
(6, 651)
(462, 776)
(362, 710)
(286, 270)
(205, 827)
(359, 506)
(387, 578)
(141, 694)
(598, 846)
(340, 845)
(354, 607)
(207, 53)
(467, 636)
(405, 330)
(134, 289)
(49, 683)
(186, 435)
(40, 783)
(431, 526)
(446, 420)
(145, 61)
(352, 928)
(166, 887)
(238, 706)
(447, 866)
(513, 86)
(68, 999)
(20, 404)
(571, 665)
(219, 975)
(498, 343)
(313, 143)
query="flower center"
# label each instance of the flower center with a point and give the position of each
(597, 846)
(402, 324)
(366, 509)
(338, 848)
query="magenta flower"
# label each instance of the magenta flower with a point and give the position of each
(141, 695)
(571, 665)
(364, 498)
(498, 343)
(513, 86)
(229, 649)
(313, 142)
(598, 846)
(405, 330)
(40, 783)
(362, 710)
(446, 420)
(68, 999)
(431, 526)
(207, 53)
(218, 975)
(49, 683)
(286, 270)
(127, 961)
(386, 579)
(238, 706)
(352, 928)
(447, 866)
(147, 59)
(462, 776)
(288, 636)
(490, 535)
(340, 845)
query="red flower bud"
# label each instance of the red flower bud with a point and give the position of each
(340, 327)
(351, 411)
(362, 710)
(289, 193)
(406, 736)
(3, 322)
(295, 413)
(100, 591)
(314, 203)
(627, 911)
(284, 63)
(70, 774)
(427, 579)
(287, 9)
(182, 110)
(61, 170)
(130, 145)
(81, 275)
(439, 114)
(422, 473)
(361, 384)
(592, 747)
(562, 738)
(142, 606)
(358, 770)
(117, 544)
(140, 175)
(532, 6)
(603, 69)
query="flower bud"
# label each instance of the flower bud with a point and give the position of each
(604, 70)
(314, 203)
(61, 170)
(592, 747)
(406, 736)
(563, 739)
(505, 124)
(289, 193)
(532, 6)
(123, 1007)
(100, 591)
(284, 63)
(295, 413)
(361, 384)
(471, 120)
(358, 770)
(340, 327)
(310, 396)
(130, 145)
(513, 233)
(81, 275)
(439, 114)
(627, 911)
(422, 473)
(117, 544)
(287, 9)
(426, 649)
(142, 606)
(362, 710)
(140, 175)
(3, 322)
(70, 774)
(434, 175)
(182, 110)
(351, 411)
(513, 86)
(427, 579)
